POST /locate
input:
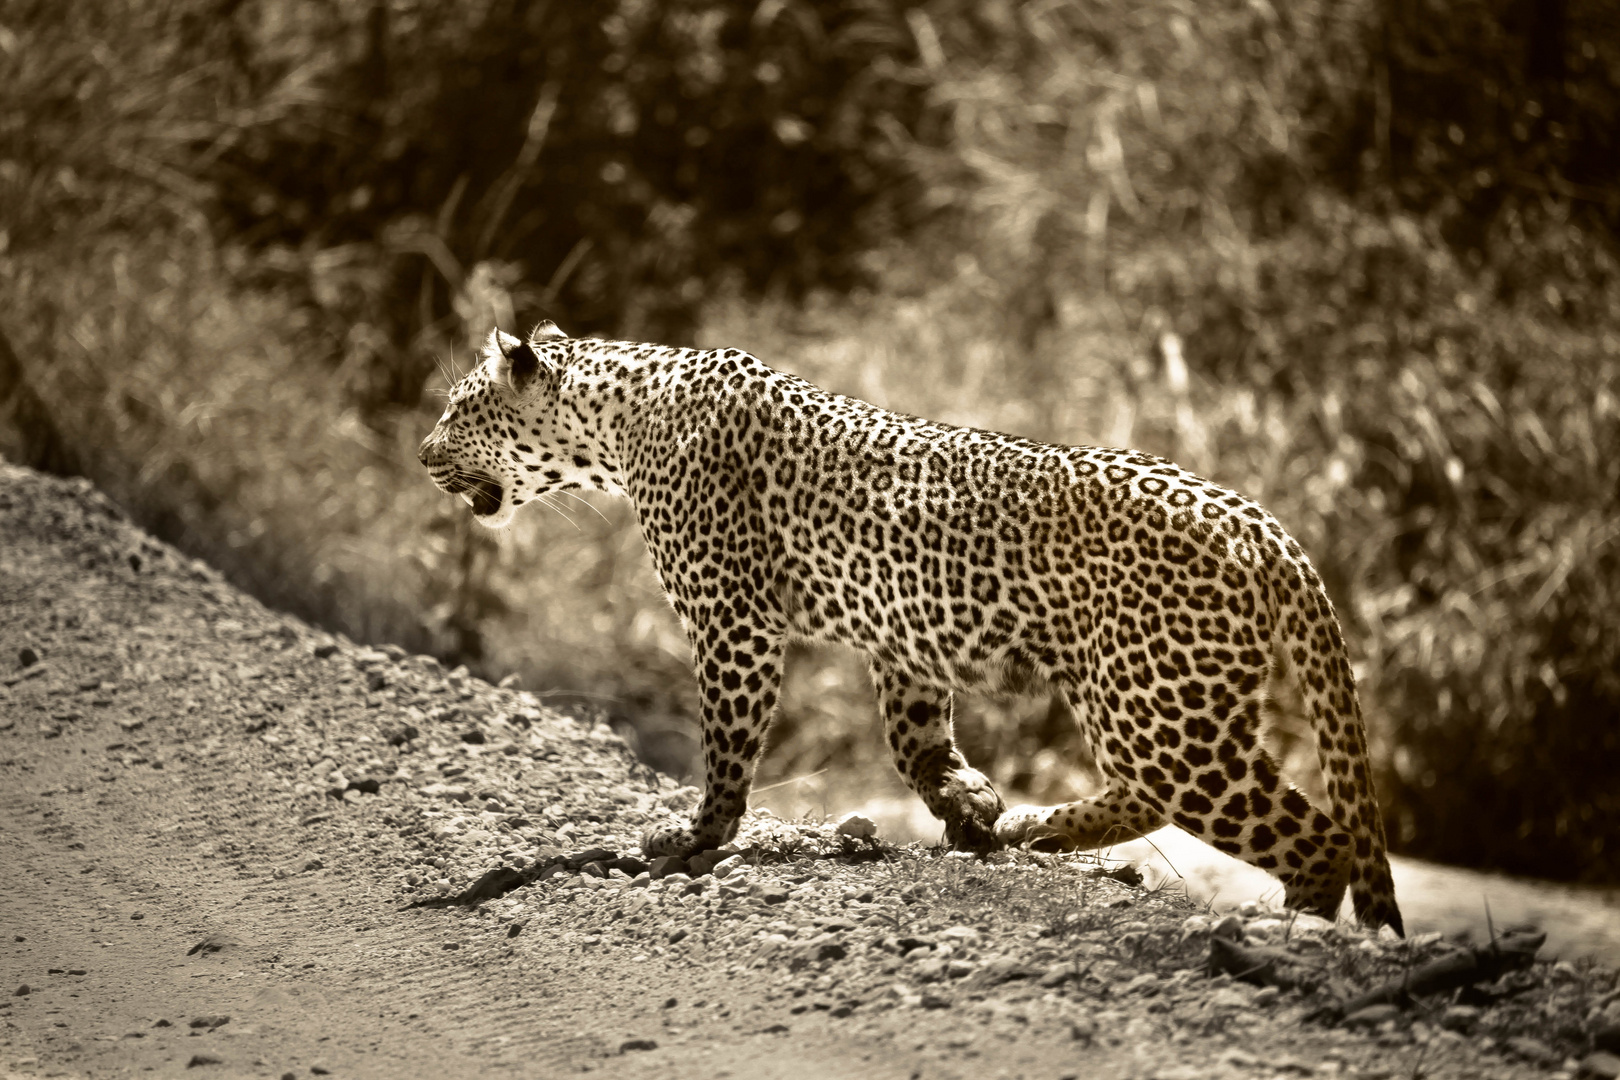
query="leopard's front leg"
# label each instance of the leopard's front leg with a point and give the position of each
(917, 723)
(739, 674)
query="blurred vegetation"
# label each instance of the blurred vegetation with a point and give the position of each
(1352, 257)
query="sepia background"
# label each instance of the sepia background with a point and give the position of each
(1355, 258)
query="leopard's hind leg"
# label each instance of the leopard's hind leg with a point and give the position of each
(1117, 814)
(1208, 774)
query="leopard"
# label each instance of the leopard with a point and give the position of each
(1155, 603)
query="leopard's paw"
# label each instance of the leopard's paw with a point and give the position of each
(971, 810)
(1025, 825)
(670, 838)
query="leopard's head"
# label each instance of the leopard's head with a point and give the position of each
(497, 444)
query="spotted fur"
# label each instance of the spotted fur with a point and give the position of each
(1155, 602)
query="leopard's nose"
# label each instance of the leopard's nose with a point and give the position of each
(429, 453)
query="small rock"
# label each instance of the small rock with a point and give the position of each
(1146, 984)
(474, 737)
(1196, 926)
(726, 866)
(1460, 1018)
(163, 1023)
(1534, 1050)
(1057, 975)
(858, 826)
(493, 883)
(594, 869)
(22, 991)
(1266, 995)
(638, 1044)
(1601, 1065)
(820, 948)
(203, 1059)
(336, 781)
(1371, 1016)
(325, 650)
(1230, 928)
(676, 936)
(768, 893)
(699, 865)
(1230, 997)
(577, 861)
(1606, 1036)
(27, 657)
(319, 1070)
(1249, 909)
(631, 866)
(208, 1022)
(935, 1001)
(665, 865)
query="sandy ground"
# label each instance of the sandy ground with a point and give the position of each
(187, 888)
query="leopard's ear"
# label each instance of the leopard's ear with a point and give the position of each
(546, 330)
(516, 364)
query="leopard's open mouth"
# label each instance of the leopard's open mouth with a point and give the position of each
(482, 494)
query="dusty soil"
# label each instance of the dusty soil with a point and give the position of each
(214, 820)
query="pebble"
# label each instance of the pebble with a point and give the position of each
(1601, 1065)
(1230, 997)
(1532, 1049)
(855, 825)
(1459, 1018)
(1371, 1016)
(1056, 975)
(768, 893)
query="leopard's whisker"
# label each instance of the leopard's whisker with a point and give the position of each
(588, 505)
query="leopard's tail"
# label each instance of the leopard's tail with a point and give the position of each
(1313, 647)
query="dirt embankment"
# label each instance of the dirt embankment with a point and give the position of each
(213, 818)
